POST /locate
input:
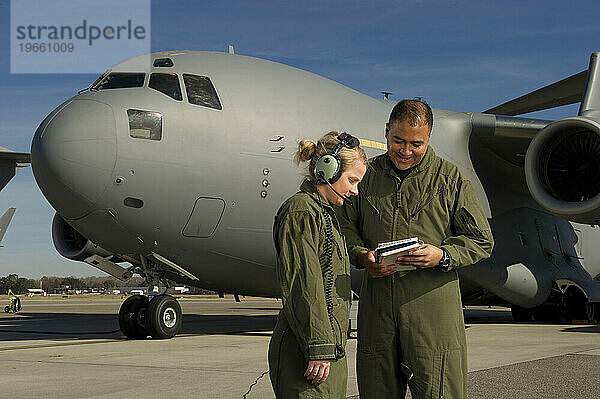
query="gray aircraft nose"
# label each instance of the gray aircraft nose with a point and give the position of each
(73, 155)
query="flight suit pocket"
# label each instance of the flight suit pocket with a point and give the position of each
(451, 377)
(468, 222)
(343, 286)
(423, 204)
(373, 349)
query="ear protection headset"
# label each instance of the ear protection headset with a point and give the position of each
(328, 167)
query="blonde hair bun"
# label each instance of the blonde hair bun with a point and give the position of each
(306, 150)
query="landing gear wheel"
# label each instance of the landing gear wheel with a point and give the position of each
(163, 317)
(132, 317)
(591, 310)
(521, 314)
(7, 309)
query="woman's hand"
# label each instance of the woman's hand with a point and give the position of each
(367, 260)
(317, 371)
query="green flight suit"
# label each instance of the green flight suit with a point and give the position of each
(414, 318)
(303, 331)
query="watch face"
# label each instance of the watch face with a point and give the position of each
(445, 261)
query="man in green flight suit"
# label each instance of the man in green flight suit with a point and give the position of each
(410, 323)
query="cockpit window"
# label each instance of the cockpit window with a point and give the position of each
(166, 83)
(163, 63)
(145, 124)
(200, 91)
(119, 80)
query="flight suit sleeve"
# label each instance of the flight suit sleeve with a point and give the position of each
(348, 218)
(471, 239)
(301, 279)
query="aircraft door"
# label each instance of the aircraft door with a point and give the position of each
(205, 217)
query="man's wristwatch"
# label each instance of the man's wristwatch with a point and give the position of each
(445, 261)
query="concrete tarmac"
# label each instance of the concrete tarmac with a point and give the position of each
(73, 348)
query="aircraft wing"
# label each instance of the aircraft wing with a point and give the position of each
(509, 136)
(5, 220)
(10, 162)
(566, 91)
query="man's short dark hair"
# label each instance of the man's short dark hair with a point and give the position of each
(416, 112)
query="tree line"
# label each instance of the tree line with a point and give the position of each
(19, 285)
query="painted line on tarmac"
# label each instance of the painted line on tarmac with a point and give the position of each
(143, 366)
(11, 348)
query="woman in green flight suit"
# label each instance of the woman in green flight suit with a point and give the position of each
(306, 352)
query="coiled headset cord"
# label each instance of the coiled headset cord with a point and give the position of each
(328, 277)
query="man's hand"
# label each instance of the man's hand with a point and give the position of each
(423, 257)
(367, 259)
(317, 371)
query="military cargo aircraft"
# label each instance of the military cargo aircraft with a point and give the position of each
(172, 165)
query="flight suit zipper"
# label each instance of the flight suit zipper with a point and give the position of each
(442, 372)
(397, 207)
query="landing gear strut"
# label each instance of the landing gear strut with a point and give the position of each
(160, 317)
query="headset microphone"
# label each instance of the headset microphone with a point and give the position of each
(346, 199)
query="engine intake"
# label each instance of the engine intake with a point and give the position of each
(562, 168)
(71, 244)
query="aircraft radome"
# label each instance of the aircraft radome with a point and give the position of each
(178, 165)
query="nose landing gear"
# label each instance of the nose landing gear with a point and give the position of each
(159, 317)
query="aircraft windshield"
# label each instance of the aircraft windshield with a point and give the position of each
(119, 80)
(200, 91)
(166, 83)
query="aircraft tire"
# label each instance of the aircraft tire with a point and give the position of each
(7, 309)
(164, 317)
(132, 317)
(521, 314)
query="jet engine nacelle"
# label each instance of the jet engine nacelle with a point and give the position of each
(562, 168)
(71, 244)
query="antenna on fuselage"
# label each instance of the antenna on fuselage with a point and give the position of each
(231, 51)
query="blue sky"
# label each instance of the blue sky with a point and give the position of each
(458, 55)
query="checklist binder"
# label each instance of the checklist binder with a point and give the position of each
(387, 252)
